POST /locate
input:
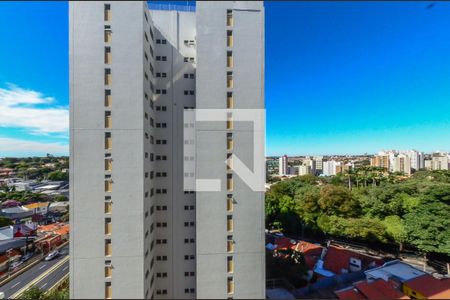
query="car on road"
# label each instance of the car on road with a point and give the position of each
(15, 264)
(52, 255)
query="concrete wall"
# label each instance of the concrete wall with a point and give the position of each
(248, 213)
(175, 27)
(87, 130)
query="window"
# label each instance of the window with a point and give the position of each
(161, 258)
(108, 226)
(108, 98)
(161, 241)
(229, 79)
(229, 223)
(108, 35)
(108, 207)
(229, 38)
(108, 247)
(230, 264)
(158, 41)
(107, 12)
(108, 119)
(161, 58)
(230, 285)
(108, 164)
(230, 102)
(229, 182)
(161, 275)
(229, 17)
(108, 290)
(108, 78)
(229, 59)
(229, 141)
(108, 55)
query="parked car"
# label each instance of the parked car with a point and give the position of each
(52, 255)
(15, 264)
(27, 257)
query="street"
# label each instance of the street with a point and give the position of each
(44, 275)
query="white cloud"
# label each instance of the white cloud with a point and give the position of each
(30, 110)
(10, 146)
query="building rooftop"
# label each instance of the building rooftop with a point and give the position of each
(379, 289)
(338, 259)
(430, 287)
(394, 269)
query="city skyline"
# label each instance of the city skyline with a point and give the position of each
(396, 101)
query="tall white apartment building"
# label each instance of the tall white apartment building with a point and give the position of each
(136, 232)
(329, 167)
(417, 159)
(440, 161)
(402, 164)
(283, 165)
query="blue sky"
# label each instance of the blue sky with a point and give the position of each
(349, 77)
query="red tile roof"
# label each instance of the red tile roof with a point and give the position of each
(308, 248)
(338, 258)
(379, 289)
(430, 287)
(350, 293)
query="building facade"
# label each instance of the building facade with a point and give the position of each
(137, 233)
(283, 165)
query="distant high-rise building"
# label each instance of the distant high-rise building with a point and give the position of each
(311, 163)
(381, 161)
(329, 167)
(319, 164)
(417, 159)
(304, 170)
(137, 233)
(402, 164)
(440, 161)
(283, 165)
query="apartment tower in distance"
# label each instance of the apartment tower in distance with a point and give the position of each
(136, 231)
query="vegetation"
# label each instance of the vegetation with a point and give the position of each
(367, 204)
(34, 293)
(38, 168)
(24, 196)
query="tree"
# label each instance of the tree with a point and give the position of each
(4, 221)
(337, 200)
(428, 227)
(307, 206)
(58, 176)
(395, 228)
(32, 293)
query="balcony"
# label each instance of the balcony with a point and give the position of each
(108, 101)
(229, 224)
(229, 144)
(108, 207)
(230, 265)
(230, 205)
(108, 271)
(108, 143)
(230, 20)
(108, 186)
(107, 56)
(108, 228)
(230, 246)
(108, 36)
(229, 61)
(229, 41)
(108, 79)
(108, 292)
(108, 164)
(108, 248)
(230, 102)
(229, 184)
(230, 123)
(230, 286)
(229, 81)
(108, 122)
(107, 15)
